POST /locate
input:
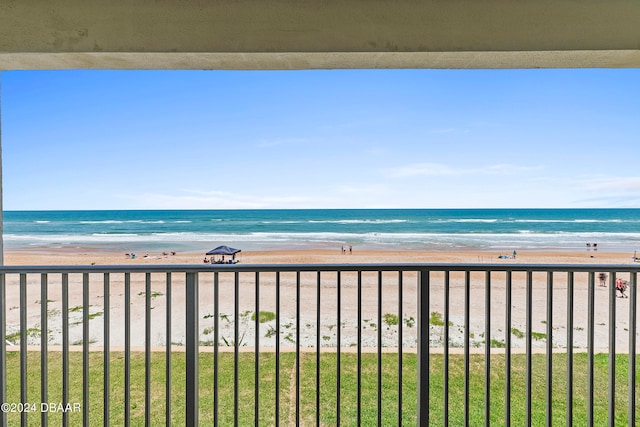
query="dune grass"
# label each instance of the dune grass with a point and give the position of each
(328, 413)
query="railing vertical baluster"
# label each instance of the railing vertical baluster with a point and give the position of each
(297, 348)
(85, 348)
(127, 349)
(167, 366)
(590, 347)
(216, 345)
(23, 346)
(277, 415)
(549, 379)
(236, 345)
(400, 348)
(633, 306)
(256, 396)
(65, 346)
(106, 348)
(529, 364)
(612, 352)
(487, 349)
(191, 348)
(447, 288)
(467, 333)
(379, 379)
(147, 351)
(338, 351)
(3, 346)
(570, 286)
(423, 348)
(318, 344)
(507, 352)
(359, 351)
(44, 352)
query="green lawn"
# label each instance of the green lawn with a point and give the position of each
(348, 403)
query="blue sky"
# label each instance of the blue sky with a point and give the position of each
(86, 139)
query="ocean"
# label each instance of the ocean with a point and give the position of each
(380, 229)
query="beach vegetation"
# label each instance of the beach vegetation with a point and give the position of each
(81, 341)
(271, 331)
(154, 294)
(410, 322)
(348, 387)
(264, 316)
(14, 337)
(436, 319)
(232, 343)
(289, 338)
(497, 344)
(538, 336)
(517, 333)
(94, 315)
(390, 319)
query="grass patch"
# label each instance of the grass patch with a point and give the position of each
(264, 316)
(436, 319)
(328, 385)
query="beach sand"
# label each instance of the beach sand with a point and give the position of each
(389, 311)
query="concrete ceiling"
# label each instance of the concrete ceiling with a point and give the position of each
(318, 34)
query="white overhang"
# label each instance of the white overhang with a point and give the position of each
(318, 34)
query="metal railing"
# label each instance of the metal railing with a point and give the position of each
(356, 340)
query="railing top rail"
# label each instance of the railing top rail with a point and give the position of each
(162, 268)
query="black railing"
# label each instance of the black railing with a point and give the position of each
(349, 344)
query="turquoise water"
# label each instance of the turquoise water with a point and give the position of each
(386, 229)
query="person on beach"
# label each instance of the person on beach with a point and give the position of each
(603, 279)
(621, 286)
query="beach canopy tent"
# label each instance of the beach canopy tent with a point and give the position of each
(223, 250)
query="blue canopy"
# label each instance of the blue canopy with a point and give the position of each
(223, 250)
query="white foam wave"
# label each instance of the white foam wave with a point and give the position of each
(522, 240)
(472, 220)
(358, 221)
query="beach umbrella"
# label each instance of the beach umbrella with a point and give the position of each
(223, 250)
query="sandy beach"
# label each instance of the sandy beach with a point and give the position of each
(389, 311)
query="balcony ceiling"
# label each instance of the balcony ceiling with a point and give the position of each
(318, 34)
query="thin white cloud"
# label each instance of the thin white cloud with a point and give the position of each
(436, 169)
(615, 184)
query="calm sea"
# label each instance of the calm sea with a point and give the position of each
(386, 229)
